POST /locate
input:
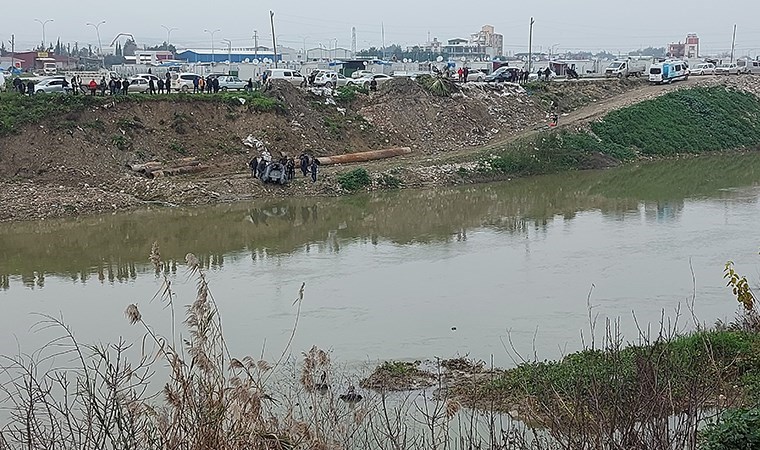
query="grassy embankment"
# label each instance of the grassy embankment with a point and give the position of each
(19, 110)
(686, 121)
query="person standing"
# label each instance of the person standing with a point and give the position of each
(201, 84)
(160, 85)
(195, 85)
(103, 85)
(168, 83)
(93, 85)
(304, 163)
(74, 85)
(249, 85)
(313, 169)
(215, 82)
(125, 86)
(29, 87)
(151, 86)
(460, 73)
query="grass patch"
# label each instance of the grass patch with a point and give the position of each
(347, 94)
(121, 142)
(179, 148)
(354, 180)
(685, 121)
(19, 110)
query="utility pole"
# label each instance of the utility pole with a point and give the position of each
(733, 44)
(274, 38)
(530, 46)
(382, 35)
(13, 51)
(255, 44)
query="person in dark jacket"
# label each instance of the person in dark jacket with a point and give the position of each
(125, 86)
(261, 168)
(103, 85)
(313, 169)
(168, 83)
(253, 164)
(304, 163)
(160, 86)
(151, 86)
(30, 87)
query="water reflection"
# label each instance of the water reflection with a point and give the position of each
(114, 248)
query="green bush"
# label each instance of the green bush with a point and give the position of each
(354, 180)
(737, 429)
(347, 94)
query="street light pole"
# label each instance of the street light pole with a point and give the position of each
(213, 56)
(530, 46)
(335, 49)
(229, 54)
(168, 34)
(305, 58)
(97, 31)
(43, 23)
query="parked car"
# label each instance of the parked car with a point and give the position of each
(183, 82)
(52, 85)
(367, 80)
(330, 80)
(138, 84)
(230, 83)
(501, 74)
(361, 74)
(147, 76)
(705, 69)
(533, 76)
(2, 81)
(727, 69)
(292, 76)
(476, 75)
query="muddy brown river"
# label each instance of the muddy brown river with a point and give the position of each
(408, 274)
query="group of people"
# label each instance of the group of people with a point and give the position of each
(309, 165)
(23, 88)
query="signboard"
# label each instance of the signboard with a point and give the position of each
(42, 54)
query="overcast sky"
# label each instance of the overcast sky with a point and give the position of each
(612, 25)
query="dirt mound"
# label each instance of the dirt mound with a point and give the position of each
(402, 87)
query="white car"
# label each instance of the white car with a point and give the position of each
(365, 82)
(361, 74)
(52, 85)
(183, 82)
(534, 76)
(331, 80)
(476, 75)
(138, 84)
(147, 76)
(727, 69)
(704, 69)
(230, 83)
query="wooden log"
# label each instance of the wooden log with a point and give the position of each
(177, 171)
(364, 156)
(151, 165)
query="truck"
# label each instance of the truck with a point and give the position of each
(49, 68)
(626, 68)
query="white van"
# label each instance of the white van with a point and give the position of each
(668, 72)
(293, 76)
(2, 82)
(749, 67)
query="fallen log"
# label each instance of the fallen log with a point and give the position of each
(364, 156)
(149, 166)
(177, 171)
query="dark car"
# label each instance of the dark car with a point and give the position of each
(502, 74)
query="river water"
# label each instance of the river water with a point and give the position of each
(409, 274)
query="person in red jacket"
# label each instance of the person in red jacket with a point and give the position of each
(93, 86)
